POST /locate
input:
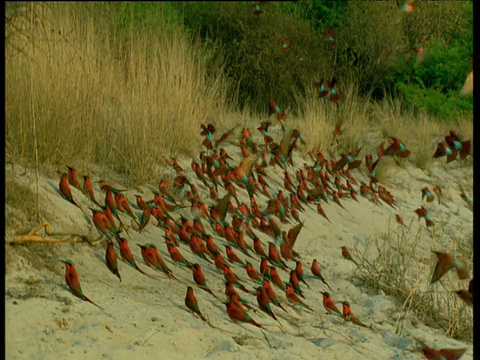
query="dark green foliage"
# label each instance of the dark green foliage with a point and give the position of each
(374, 47)
(251, 45)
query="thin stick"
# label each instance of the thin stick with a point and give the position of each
(35, 144)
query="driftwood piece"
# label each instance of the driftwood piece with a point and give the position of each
(33, 236)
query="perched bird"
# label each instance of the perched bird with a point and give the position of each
(348, 315)
(73, 282)
(447, 261)
(192, 304)
(299, 272)
(317, 274)
(252, 273)
(466, 296)
(72, 177)
(233, 258)
(199, 278)
(346, 254)
(442, 354)
(145, 218)
(426, 192)
(102, 224)
(294, 299)
(237, 313)
(229, 275)
(176, 255)
(126, 253)
(271, 294)
(111, 259)
(264, 302)
(65, 190)
(88, 189)
(329, 305)
(399, 219)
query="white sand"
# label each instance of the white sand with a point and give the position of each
(146, 318)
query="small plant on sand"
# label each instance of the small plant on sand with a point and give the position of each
(403, 267)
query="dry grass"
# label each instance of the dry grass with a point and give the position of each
(402, 268)
(370, 123)
(97, 100)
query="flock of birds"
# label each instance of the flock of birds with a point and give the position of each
(227, 222)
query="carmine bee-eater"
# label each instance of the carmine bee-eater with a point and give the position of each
(229, 275)
(446, 262)
(102, 224)
(295, 283)
(294, 299)
(329, 305)
(145, 218)
(73, 282)
(123, 205)
(317, 273)
(426, 192)
(346, 255)
(348, 315)
(126, 253)
(466, 296)
(175, 254)
(88, 189)
(232, 257)
(192, 304)
(111, 259)
(237, 313)
(399, 219)
(72, 177)
(199, 278)
(322, 212)
(271, 294)
(442, 354)
(253, 274)
(264, 302)
(299, 271)
(275, 278)
(66, 191)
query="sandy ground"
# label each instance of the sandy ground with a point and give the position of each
(145, 317)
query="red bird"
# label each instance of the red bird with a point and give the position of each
(199, 278)
(111, 259)
(237, 313)
(65, 190)
(348, 315)
(73, 282)
(317, 273)
(253, 274)
(346, 255)
(264, 302)
(446, 262)
(447, 354)
(271, 294)
(126, 253)
(192, 304)
(329, 305)
(88, 189)
(466, 296)
(294, 299)
(72, 177)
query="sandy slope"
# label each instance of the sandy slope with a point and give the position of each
(146, 317)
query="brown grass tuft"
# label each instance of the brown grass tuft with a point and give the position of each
(99, 98)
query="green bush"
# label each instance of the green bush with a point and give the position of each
(258, 70)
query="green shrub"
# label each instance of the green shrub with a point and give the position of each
(258, 70)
